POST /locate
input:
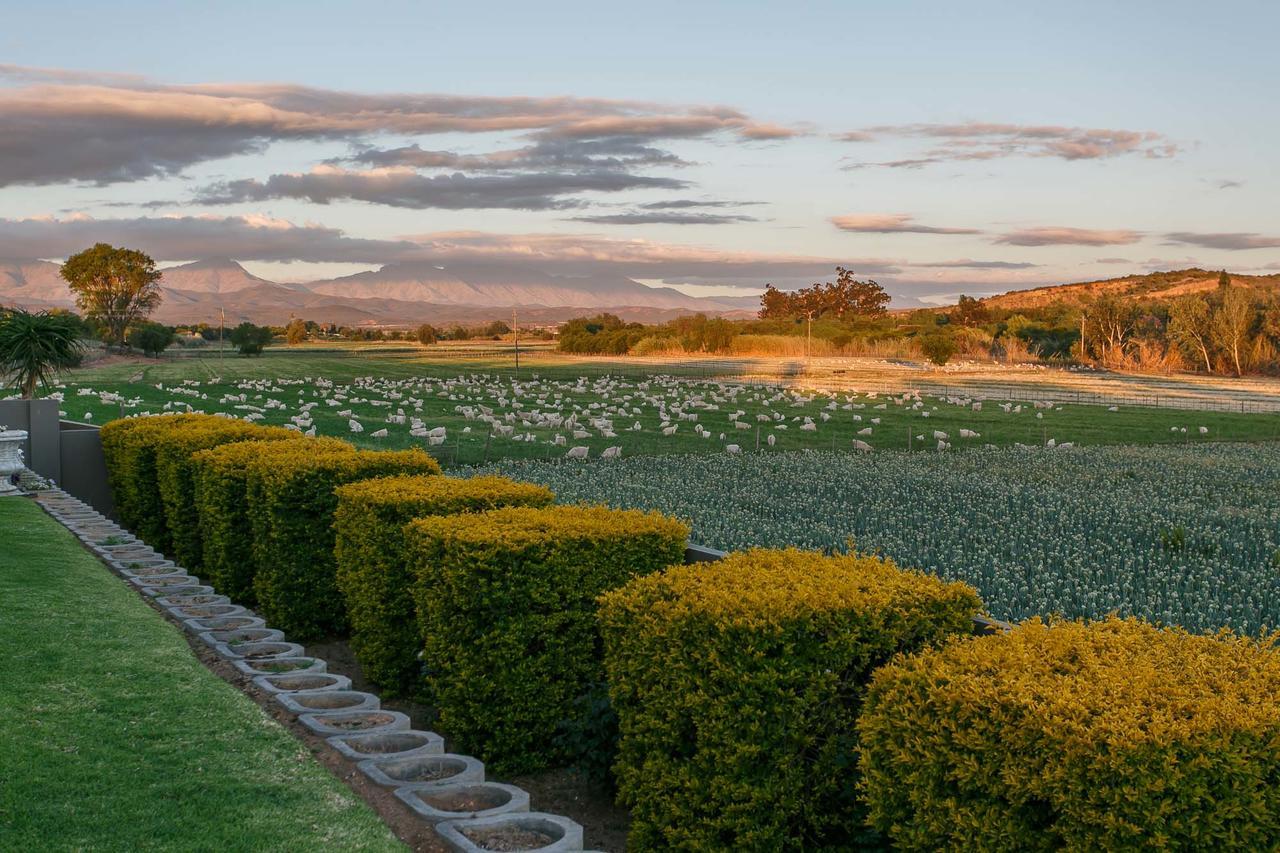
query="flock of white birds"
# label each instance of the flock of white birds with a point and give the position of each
(562, 414)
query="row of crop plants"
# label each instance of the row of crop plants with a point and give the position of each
(776, 699)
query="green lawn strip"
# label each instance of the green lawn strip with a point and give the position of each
(115, 737)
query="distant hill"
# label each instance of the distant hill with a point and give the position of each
(1156, 285)
(395, 294)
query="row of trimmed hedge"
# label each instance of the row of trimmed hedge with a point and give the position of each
(782, 700)
(251, 506)
(373, 568)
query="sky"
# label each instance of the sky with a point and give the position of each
(940, 148)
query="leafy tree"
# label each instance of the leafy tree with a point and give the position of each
(495, 330)
(1231, 323)
(1110, 323)
(35, 348)
(1224, 280)
(296, 332)
(938, 347)
(151, 338)
(115, 286)
(846, 297)
(249, 339)
(1190, 328)
(969, 312)
(427, 334)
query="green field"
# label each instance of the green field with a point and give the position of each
(117, 738)
(433, 388)
(1181, 535)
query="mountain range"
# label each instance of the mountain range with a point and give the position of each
(396, 294)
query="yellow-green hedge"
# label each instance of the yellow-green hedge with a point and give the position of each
(291, 501)
(220, 478)
(506, 601)
(173, 450)
(372, 569)
(129, 448)
(1113, 735)
(737, 685)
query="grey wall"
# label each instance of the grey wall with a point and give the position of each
(68, 453)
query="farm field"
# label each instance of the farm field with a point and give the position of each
(474, 411)
(1186, 535)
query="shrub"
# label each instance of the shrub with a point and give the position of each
(372, 567)
(220, 478)
(173, 450)
(291, 502)
(1103, 736)
(938, 347)
(506, 604)
(129, 448)
(737, 685)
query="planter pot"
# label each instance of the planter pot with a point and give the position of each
(546, 833)
(278, 666)
(11, 441)
(208, 611)
(420, 769)
(288, 682)
(237, 636)
(259, 651)
(407, 744)
(328, 723)
(463, 800)
(311, 701)
(223, 623)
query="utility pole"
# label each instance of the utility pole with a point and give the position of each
(222, 336)
(515, 334)
(808, 343)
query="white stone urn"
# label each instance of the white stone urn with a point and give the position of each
(11, 441)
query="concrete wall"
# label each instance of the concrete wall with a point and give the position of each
(66, 452)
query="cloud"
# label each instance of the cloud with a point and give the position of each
(1062, 236)
(966, 263)
(405, 187)
(181, 238)
(667, 218)
(102, 128)
(621, 153)
(1231, 241)
(891, 223)
(1230, 185)
(991, 140)
(1112, 261)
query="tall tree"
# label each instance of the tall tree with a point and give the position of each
(114, 286)
(847, 296)
(969, 312)
(34, 348)
(296, 332)
(1191, 328)
(1232, 322)
(1110, 322)
(1224, 280)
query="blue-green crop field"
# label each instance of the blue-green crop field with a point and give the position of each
(1186, 535)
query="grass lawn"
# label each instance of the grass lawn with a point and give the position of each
(116, 738)
(289, 377)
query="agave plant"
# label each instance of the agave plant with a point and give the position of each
(34, 348)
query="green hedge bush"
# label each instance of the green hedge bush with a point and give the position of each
(291, 502)
(1112, 735)
(129, 449)
(506, 602)
(372, 568)
(220, 477)
(737, 685)
(174, 473)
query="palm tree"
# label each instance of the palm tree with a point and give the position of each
(34, 348)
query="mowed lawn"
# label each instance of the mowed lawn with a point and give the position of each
(114, 737)
(382, 376)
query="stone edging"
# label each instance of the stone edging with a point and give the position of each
(348, 719)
